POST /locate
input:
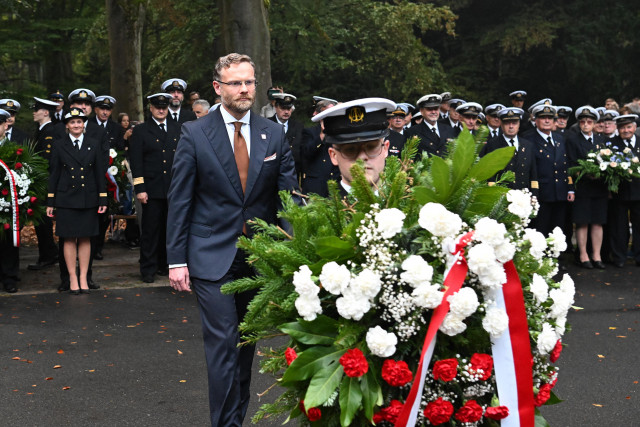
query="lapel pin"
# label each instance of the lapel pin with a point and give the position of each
(263, 136)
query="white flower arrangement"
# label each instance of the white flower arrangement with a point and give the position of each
(380, 342)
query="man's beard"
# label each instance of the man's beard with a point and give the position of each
(238, 106)
(175, 104)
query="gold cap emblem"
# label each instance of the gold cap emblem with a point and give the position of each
(355, 114)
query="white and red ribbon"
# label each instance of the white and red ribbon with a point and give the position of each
(511, 352)
(15, 212)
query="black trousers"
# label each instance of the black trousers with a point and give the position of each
(229, 367)
(9, 261)
(97, 242)
(550, 216)
(621, 213)
(46, 245)
(153, 242)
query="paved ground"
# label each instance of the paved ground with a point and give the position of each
(131, 355)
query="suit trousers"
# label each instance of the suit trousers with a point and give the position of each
(228, 366)
(153, 242)
(46, 245)
(621, 213)
(9, 261)
(550, 216)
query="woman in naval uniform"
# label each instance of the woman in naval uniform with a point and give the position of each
(77, 191)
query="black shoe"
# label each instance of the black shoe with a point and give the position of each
(148, 279)
(84, 291)
(10, 288)
(599, 265)
(64, 287)
(586, 264)
(98, 256)
(42, 264)
(92, 284)
(74, 292)
(162, 272)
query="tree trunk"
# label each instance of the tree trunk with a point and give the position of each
(244, 29)
(125, 20)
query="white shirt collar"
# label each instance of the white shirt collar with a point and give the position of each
(228, 118)
(544, 135)
(158, 123)
(43, 125)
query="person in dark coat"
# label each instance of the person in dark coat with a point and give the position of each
(397, 132)
(562, 118)
(58, 98)
(9, 254)
(151, 150)
(77, 192)
(433, 135)
(13, 134)
(293, 129)
(625, 204)
(176, 88)
(589, 210)
(469, 114)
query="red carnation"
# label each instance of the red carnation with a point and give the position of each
(354, 363)
(543, 395)
(445, 370)
(33, 199)
(19, 151)
(396, 374)
(314, 414)
(30, 212)
(5, 191)
(7, 226)
(484, 362)
(18, 165)
(496, 412)
(438, 411)
(290, 354)
(390, 413)
(470, 412)
(555, 353)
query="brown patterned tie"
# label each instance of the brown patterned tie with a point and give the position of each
(241, 154)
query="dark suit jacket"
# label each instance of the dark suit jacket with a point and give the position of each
(18, 136)
(76, 179)
(578, 148)
(151, 152)
(552, 165)
(396, 142)
(45, 138)
(318, 166)
(627, 191)
(113, 135)
(429, 141)
(294, 136)
(185, 115)
(523, 163)
(207, 208)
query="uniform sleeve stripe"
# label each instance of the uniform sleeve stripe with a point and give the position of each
(139, 180)
(534, 184)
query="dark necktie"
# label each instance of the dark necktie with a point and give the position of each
(175, 116)
(76, 144)
(495, 133)
(590, 140)
(162, 126)
(511, 143)
(550, 141)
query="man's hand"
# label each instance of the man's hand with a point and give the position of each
(179, 279)
(142, 197)
(49, 211)
(102, 209)
(571, 197)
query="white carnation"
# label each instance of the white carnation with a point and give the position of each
(624, 165)
(427, 296)
(490, 231)
(539, 288)
(367, 283)
(505, 251)
(519, 203)
(308, 306)
(113, 153)
(538, 242)
(436, 219)
(463, 303)
(546, 339)
(113, 170)
(352, 306)
(481, 259)
(561, 303)
(390, 222)
(557, 241)
(417, 271)
(603, 166)
(495, 321)
(567, 286)
(380, 342)
(334, 277)
(303, 283)
(452, 325)
(561, 323)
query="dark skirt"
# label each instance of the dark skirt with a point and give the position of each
(77, 222)
(590, 210)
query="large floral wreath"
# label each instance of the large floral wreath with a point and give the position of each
(362, 286)
(23, 184)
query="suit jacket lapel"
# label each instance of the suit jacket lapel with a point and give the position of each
(67, 145)
(218, 138)
(260, 138)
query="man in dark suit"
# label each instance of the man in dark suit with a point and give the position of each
(397, 132)
(13, 134)
(562, 118)
(453, 117)
(523, 163)
(228, 169)
(469, 113)
(517, 100)
(556, 186)
(318, 166)
(625, 205)
(176, 88)
(45, 136)
(292, 128)
(103, 107)
(58, 98)
(153, 145)
(444, 105)
(433, 135)
(493, 121)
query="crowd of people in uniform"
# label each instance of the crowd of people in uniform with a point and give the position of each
(545, 148)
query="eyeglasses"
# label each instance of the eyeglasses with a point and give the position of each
(238, 84)
(351, 151)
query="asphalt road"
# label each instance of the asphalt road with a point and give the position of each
(132, 355)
